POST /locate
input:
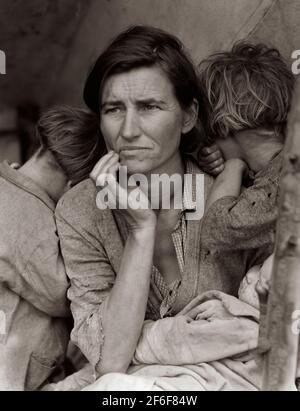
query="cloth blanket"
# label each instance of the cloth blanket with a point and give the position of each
(210, 345)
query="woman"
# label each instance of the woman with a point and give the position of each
(128, 264)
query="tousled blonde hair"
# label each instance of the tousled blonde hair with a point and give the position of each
(247, 87)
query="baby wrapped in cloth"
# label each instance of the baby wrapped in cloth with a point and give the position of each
(209, 346)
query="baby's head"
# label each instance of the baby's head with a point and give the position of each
(249, 87)
(256, 280)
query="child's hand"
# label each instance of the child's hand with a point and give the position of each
(211, 160)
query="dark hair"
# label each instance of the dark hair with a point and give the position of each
(144, 46)
(72, 135)
(247, 87)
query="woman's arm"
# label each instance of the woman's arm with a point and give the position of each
(125, 306)
(108, 306)
(211, 327)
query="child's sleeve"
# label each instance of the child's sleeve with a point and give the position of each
(243, 222)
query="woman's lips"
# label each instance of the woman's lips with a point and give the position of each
(132, 150)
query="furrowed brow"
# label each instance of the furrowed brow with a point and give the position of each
(150, 101)
(111, 103)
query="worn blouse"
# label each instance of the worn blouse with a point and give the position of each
(211, 255)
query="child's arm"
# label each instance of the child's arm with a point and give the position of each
(228, 182)
(246, 222)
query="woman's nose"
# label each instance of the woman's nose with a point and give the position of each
(130, 127)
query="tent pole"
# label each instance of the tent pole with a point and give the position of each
(282, 323)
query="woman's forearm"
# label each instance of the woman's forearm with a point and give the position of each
(126, 305)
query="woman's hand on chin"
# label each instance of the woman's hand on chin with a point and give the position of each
(131, 202)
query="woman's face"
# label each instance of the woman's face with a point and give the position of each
(141, 119)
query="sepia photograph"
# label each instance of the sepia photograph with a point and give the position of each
(149, 198)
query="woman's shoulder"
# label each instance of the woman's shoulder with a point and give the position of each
(79, 204)
(81, 194)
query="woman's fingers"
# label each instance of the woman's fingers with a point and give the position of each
(113, 169)
(98, 168)
(132, 202)
(201, 308)
(106, 169)
(109, 176)
(203, 315)
(111, 165)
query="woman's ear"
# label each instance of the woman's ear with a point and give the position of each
(190, 117)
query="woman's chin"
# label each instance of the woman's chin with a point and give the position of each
(135, 166)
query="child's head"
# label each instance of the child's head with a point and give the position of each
(71, 138)
(248, 87)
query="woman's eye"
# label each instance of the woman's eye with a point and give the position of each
(112, 110)
(150, 107)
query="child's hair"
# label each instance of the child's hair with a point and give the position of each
(248, 87)
(73, 137)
